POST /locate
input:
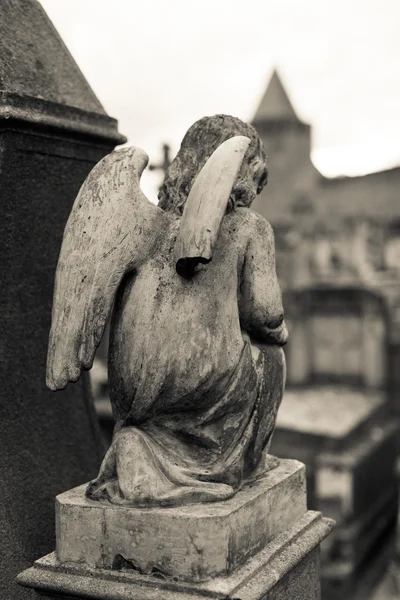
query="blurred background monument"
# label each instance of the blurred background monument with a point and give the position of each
(342, 229)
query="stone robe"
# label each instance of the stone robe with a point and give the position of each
(195, 369)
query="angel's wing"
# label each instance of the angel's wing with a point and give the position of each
(109, 231)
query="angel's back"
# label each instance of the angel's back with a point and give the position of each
(195, 375)
(175, 339)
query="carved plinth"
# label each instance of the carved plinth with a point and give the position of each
(261, 543)
(194, 542)
(286, 569)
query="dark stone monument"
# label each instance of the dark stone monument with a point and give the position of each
(337, 417)
(53, 130)
(397, 554)
(391, 291)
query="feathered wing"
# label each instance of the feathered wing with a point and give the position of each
(109, 231)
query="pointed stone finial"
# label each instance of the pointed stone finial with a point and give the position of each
(40, 83)
(275, 104)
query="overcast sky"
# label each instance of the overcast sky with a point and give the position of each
(159, 65)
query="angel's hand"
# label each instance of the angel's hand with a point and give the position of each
(278, 336)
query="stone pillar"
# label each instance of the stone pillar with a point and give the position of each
(52, 132)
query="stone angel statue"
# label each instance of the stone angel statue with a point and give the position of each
(196, 371)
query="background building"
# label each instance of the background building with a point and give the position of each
(341, 229)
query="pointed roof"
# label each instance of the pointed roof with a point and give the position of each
(40, 82)
(275, 104)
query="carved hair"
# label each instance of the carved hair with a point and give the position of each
(197, 146)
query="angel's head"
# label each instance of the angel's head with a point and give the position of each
(200, 141)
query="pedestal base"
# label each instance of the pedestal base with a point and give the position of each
(286, 569)
(193, 542)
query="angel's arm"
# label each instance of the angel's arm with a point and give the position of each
(261, 310)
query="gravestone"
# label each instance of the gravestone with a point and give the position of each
(52, 131)
(336, 416)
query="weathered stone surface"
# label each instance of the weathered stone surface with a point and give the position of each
(195, 402)
(48, 443)
(194, 542)
(41, 85)
(286, 569)
(35, 61)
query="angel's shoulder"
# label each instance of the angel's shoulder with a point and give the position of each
(250, 225)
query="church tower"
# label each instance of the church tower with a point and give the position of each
(293, 179)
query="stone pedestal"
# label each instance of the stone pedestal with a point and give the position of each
(262, 543)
